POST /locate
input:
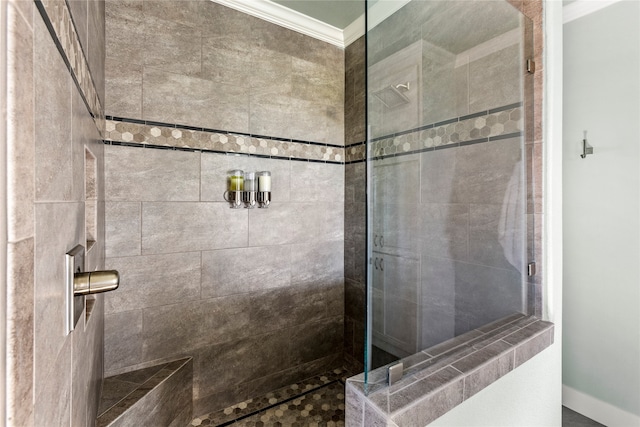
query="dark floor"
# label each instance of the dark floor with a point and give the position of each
(317, 401)
(573, 419)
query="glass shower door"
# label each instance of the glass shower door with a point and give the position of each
(446, 168)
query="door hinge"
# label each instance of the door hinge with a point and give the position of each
(531, 66)
(531, 269)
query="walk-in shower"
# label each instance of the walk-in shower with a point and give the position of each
(449, 101)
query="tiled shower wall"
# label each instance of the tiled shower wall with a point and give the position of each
(201, 64)
(355, 199)
(54, 69)
(255, 296)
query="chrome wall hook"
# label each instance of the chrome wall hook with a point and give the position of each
(586, 147)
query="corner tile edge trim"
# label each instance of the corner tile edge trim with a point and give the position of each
(456, 369)
(138, 133)
(57, 18)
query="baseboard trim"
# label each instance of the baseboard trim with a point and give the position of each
(596, 409)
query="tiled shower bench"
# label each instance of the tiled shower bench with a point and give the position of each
(160, 395)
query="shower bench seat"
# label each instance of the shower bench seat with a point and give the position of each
(158, 395)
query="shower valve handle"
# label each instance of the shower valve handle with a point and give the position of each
(95, 282)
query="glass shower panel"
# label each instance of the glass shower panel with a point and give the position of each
(446, 162)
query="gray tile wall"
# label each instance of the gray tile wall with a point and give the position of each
(256, 297)
(247, 293)
(452, 83)
(354, 92)
(88, 17)
(202, 64)
(53, 378)
(354, 210)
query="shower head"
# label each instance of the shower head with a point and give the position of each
(392, 97)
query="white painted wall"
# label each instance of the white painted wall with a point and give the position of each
(531, 394)
(601, 317)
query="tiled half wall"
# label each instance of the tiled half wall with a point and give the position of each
(441, 377)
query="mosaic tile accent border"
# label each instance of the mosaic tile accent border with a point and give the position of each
(131, 132)
(57, 18)
(499, 123)
(355, 153)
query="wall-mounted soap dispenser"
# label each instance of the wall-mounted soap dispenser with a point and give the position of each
(80, 283)
(248, 188)
(264, 189)
(235, 187)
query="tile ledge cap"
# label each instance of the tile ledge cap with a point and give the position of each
(528, 336)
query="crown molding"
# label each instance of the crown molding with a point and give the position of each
(383, 9)
(288, 18)
(377, 13)
(296, 21)
(354, 31)
(580, 8)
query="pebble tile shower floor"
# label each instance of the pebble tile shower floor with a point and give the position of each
(316, 401)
